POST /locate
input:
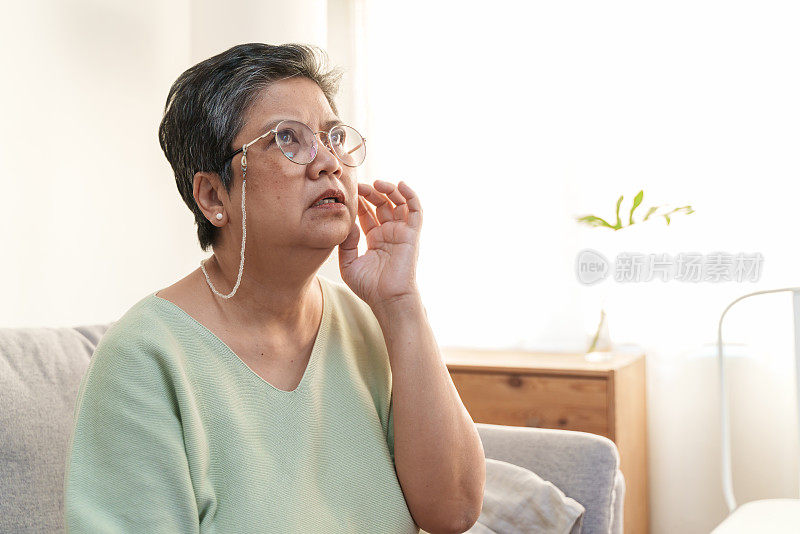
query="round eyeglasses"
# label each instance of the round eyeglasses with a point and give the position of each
(298, 142)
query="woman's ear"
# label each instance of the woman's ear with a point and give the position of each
(209, 193)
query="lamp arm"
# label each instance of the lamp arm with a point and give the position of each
(727, 470)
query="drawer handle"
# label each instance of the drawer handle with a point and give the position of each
(514, 381)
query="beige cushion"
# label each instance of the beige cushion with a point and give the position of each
(768, 516)
(517, 500)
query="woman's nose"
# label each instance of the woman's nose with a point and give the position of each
(329, 160)
(323, 137)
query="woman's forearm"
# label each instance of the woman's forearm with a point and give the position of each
(439, 456)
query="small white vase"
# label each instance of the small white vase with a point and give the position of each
(600, 345)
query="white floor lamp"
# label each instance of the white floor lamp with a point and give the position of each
(767, 515)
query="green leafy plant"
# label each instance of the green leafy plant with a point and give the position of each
(595, 221)
(598, 222)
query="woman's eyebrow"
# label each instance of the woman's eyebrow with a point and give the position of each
(331, 123)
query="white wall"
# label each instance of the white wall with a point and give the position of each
(216, 26)
(541, 111)
(94, 220)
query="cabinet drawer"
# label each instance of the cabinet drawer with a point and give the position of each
(519, 399)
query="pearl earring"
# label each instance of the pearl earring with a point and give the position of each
(219, 216)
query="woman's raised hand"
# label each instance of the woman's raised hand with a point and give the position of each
(387, 270)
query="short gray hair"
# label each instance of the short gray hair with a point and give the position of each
(206, 106)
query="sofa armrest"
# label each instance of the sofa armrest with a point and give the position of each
(619, 504)
(584, 466)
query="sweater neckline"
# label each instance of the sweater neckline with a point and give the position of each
(319, 342)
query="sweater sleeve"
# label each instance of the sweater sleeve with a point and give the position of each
(127, 469)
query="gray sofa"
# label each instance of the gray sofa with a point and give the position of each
(40, 371)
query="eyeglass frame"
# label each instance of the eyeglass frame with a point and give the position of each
(275, 131)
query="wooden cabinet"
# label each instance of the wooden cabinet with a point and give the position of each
(564, 391)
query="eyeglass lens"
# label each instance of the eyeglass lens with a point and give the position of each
(298, 142)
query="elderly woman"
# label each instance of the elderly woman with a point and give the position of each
(255, 395)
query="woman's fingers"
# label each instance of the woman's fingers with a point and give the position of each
(392, 202)
(383, 206)
(391, 191)
(413, 205)
(366, 216)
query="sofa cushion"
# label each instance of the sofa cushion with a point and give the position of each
(517, 500)
(40, 372)
(584, 466)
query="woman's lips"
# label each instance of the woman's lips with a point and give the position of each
(332, 206)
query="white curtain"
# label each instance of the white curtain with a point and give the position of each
(92, 218)
(512, 118)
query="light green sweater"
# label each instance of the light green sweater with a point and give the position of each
(174, 433)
